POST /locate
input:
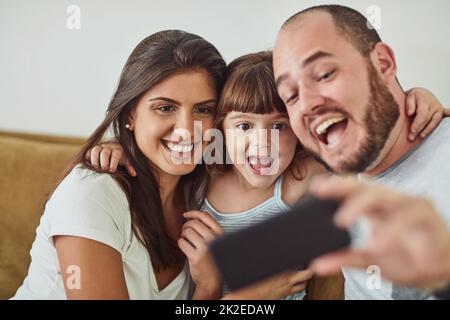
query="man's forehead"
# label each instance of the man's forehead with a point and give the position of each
(313, 30)
(307, 37)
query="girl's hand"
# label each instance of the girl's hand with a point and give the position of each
(107, 156)
(274, 288)
(427, 112)
(196, 234)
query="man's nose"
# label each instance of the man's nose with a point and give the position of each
(310, 100)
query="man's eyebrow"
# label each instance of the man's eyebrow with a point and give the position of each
(280, 79)
(306, 62)
(314, 57)
(165, 99)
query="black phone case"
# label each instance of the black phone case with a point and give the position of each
(286, 242)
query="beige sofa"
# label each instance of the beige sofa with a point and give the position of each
(29, 167)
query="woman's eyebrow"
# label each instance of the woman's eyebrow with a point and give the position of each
(165, 99)
(205, 102)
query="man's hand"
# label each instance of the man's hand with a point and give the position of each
(409, 241)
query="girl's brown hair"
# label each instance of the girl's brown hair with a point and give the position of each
(157, 57)
(250, 88)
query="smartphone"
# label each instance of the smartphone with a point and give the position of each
(286, 242)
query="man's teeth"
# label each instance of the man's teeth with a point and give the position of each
(323, 127)
(182, 148)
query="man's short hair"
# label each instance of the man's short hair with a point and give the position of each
(349, 23)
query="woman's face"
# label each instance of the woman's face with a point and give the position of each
(252, 143)
(163, 121)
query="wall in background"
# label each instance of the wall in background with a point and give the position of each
(59, 81)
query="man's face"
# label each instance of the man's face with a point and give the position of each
(338, 106)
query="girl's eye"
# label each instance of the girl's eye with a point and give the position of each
(327, 75)
(166, 108)
(279, 126)
(244, 126)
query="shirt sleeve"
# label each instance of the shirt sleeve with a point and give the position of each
(89, 205)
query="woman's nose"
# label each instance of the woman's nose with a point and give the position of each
(184, 126)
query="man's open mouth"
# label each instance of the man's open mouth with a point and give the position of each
(331, 130)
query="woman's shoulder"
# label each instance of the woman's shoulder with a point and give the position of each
(89, 191)
(84, 181)
(90, 205)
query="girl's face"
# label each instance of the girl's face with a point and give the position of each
(256, 153)
(163, 121)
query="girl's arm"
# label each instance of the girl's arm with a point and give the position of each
(90, 269)
(427, 111)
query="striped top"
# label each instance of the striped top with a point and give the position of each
(231, 222)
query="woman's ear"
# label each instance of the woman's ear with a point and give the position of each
(383, 59)
(131, 120)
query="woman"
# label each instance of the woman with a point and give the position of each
(113, 236)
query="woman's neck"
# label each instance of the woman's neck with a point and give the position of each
(168, 186)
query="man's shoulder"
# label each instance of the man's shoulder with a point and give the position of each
(437, 143)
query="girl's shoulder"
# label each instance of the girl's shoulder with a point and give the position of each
(293, 188)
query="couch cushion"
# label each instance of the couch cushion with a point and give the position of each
(29, 170)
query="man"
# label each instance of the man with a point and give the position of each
(339, 82)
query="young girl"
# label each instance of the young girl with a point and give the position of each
(265, 184)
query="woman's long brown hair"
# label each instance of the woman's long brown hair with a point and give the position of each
(157, 57)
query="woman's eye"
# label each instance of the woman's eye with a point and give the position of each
(204, 110)
(327, 75)
(166, 108)
(279, 126)
(244, 126)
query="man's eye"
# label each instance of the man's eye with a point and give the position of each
(244, 126)
(291, 99)
(327, 75)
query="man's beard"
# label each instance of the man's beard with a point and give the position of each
(381, 117)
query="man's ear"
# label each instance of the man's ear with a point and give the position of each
(383, 59)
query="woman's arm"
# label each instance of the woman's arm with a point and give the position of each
(90, 269)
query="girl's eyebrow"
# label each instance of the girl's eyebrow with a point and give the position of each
(240, 116)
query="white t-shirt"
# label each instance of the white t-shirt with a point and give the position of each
(91, 205)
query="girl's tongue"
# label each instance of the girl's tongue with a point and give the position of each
(260, 163)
